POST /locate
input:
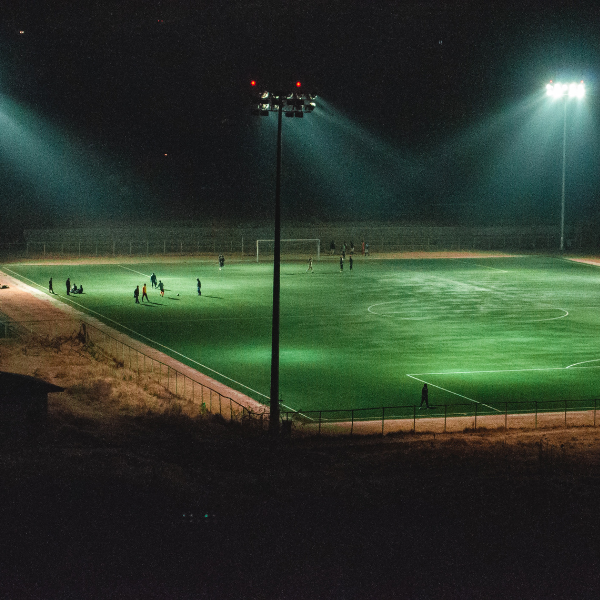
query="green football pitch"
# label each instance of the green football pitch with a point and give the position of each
(479, 331)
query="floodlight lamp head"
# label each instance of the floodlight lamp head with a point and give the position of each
(560, 90)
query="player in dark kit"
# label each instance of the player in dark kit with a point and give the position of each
(424, 397)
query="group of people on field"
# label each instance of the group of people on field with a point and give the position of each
(364, 248)
(160, 286)
(71, 289)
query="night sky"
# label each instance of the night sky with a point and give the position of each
(428, 111)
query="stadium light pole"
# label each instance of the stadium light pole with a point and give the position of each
(293, 104)
(564, 91)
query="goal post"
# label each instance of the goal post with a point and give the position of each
(300, 248)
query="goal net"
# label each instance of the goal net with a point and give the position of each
(291, 249)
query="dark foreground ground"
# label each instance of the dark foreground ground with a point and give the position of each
(126, 494)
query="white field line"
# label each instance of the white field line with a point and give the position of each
(574, 365)
(482, 266)
(133, 271)
(152, 342)
(451, 392)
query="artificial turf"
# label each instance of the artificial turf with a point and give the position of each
(482, 331)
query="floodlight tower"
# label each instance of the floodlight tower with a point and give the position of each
(290, 101)
(565, 91)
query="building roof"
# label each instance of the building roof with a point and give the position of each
(15, 387)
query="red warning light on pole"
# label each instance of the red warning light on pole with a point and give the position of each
(253, 83)
(298, 84)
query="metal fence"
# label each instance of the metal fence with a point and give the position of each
(174, 381)
(246, 247)
(144, 367)
(444, 418)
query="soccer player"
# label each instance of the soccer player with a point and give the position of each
(50, 288)
(341, 264)
(161, 287)
(145, 294)
(136, 294)
(424, 397)
(310, 265)
(199, 286)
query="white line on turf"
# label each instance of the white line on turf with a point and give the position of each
(133, 271)
(583, 362)
(153, 342)
(482, 266)
(510, 370)
(454, 393)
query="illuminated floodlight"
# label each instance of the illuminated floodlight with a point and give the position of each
(557, 91)
(560, 90)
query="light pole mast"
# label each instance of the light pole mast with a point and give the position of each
(292, 104)
(564, 170)
(274, 394)
(564, 91)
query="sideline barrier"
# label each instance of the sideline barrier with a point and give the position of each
(143, 366)
(174, 381)
(442, 418)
